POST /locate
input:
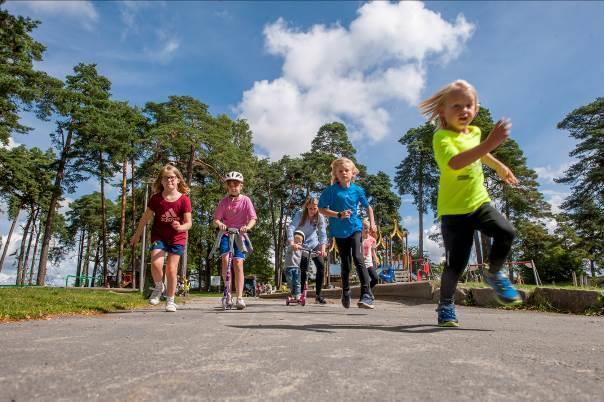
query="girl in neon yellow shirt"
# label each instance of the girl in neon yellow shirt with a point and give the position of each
(463, 204)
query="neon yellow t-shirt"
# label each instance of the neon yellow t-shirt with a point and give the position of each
(459, 191)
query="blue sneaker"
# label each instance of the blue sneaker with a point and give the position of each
(505, 293)
(446, 315)
(366, 301)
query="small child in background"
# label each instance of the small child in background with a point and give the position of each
(293, 256)
(369, 255)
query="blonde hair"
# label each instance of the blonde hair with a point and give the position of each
(339, 162)
(432, 106)
(182, 186)
(307, 202)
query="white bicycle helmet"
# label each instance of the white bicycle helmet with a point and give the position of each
(234, 176)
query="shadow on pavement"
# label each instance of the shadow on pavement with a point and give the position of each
(330, 328)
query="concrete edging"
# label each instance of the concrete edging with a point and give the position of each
(575, 301)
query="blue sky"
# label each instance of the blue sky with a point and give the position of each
(290, 66)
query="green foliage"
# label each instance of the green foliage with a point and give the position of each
(21, 87)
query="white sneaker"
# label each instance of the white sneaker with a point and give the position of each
(240, 304)
(156, 294)
(170, 305)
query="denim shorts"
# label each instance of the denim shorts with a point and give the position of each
(224, 248)
(178, 249)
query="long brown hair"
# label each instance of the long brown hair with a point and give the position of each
(182, 186)
(315, 219)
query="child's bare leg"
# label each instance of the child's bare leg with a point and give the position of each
(225, 263)
(157, 265)
(238, 268)
(171, 270)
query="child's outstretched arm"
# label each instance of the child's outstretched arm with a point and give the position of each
(372, 227)
(141, 225)
(498, 136)
(502, 170)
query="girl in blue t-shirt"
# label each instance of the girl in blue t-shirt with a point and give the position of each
(340, 202)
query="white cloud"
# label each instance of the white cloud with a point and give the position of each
(434, 250)
(84, 11)
(555, 199)
(548, 173)
(350, 74)
(166, 48)
(11, 144)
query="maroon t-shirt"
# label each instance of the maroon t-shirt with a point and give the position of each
(165, 213)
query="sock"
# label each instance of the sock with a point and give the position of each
(170, 299)
(158, 285)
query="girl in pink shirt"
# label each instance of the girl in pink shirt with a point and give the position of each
(234, 211)
(369, 255)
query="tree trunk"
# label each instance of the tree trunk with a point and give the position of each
(184, 259)
(486, 246)
(27, 253)
(420, 207)
(56, 193)
(96, 264)
(592, 266)
(479, 259)
(86, 264)
(103, 221)
(274, 231)
(133, 248)
(80, 252)
(33, 259)
(120, 255)
(20, 266)
(10, 235)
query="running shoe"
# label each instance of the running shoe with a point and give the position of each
(346, 299)
(366, 301)
(446, 315)
(240, 303)
(505, 293)
(156, 294)
(170, 305)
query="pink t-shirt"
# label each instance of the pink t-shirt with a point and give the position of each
(165, 213)
(235, 212)
(368, 244)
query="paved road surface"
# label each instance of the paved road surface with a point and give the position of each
(273, 352)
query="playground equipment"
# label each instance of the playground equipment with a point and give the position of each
(474, 271)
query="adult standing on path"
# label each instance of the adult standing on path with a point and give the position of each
(313, 225)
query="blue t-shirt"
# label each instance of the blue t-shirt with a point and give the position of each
(338, 198)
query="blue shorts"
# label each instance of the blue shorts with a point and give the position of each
(178, 249)
(224, 248)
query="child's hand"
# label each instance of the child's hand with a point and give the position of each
(346, 214)
(500, 133)
(506, 174)
(296, 246)
(221, 226)
(134, 240)
(176, 225)
(373, 231)
(243, 229)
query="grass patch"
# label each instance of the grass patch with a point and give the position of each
(36, 303)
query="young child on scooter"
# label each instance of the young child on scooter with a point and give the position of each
(293, 255)
(234, 211)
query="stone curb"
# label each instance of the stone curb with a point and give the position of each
(562, 300)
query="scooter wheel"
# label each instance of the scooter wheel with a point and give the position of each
(287, 302)
(303, 302)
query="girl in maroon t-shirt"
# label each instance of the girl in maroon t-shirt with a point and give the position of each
(172, 209)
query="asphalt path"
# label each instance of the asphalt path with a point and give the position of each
(313, 353)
